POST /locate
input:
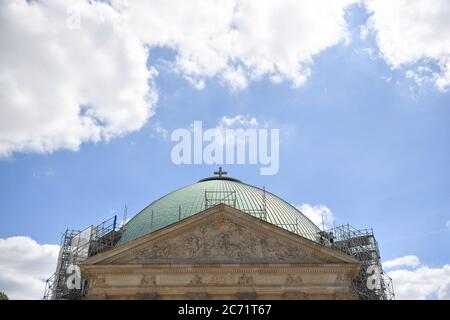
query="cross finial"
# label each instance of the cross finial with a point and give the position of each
(220, 173)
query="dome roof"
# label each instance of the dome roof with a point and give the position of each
(208, 192)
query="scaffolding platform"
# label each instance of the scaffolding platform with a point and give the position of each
(361, 244)
(76, 247)
(213, 198)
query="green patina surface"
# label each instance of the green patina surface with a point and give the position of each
(191, 199)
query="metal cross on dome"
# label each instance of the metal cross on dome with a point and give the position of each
(220, 173)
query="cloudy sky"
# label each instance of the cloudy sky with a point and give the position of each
(360, 90)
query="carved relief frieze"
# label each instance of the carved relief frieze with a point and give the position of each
(220, 239)
(196, 280)
(293, 281)
(246, 280)
(148, 280)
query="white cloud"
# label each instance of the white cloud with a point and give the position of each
(240, 121)
(61, 85)
(421, 75)
(240, 41)
(315, 214)
(159, 130)
(406, 261)
(422, 282)
(413, 31)
(235, 78)
(24, 267)
(448, 224)
(230, 123)
(78, 73)
(363, 32)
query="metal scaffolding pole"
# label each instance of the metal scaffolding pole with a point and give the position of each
(371, 283)
(77, 246)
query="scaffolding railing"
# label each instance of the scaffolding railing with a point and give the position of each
(76, 247)
(371, 283)
(215, 197)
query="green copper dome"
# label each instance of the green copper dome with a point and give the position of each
(208, 192)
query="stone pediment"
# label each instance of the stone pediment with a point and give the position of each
(220, 235)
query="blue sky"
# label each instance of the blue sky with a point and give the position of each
(359, 137)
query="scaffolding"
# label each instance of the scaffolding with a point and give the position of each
(213, 198)
(76, 247)
(371, 283)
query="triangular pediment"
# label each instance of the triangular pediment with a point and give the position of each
(220, 235)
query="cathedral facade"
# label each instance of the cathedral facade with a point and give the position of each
(220, 239)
